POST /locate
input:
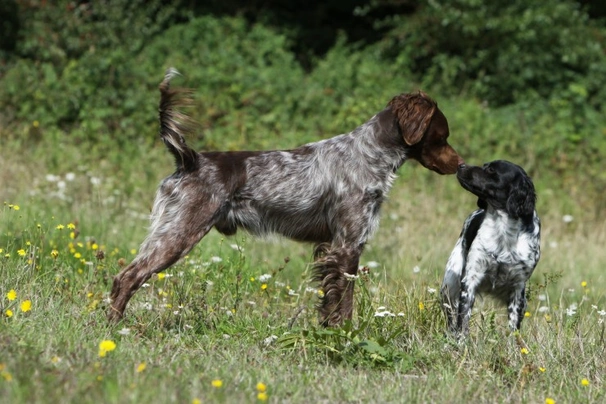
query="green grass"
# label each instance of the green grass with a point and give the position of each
(210, 318)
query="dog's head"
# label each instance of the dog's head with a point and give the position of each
(501, 184)
(425, 131)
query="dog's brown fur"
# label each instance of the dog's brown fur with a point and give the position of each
(328, 193)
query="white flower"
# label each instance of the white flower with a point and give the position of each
(553, 244)
(70, 176)
(416, 269)
(602, 313)
(291, 292)
(269, 340)
(571, 310)
(216, 259)
(280, 284)
(264, 278)
(124, 331)
(372, 264)
(431, 291)
(543, 309)
(567, 218)
(95, 180)
(309, 289)
(52, 178)
(236, 247)
(385, 313)
(542, 297)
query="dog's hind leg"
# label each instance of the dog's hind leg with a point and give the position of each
(176, 229)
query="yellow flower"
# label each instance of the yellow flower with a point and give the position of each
(26, 306)
(262, 396)
(421, 306)
(261, 387)
(133, 251)
(55, 359)
(11, 295)
(161, 276)
(71, 226)
(542, 369)
(60, 227)
(77, 255)
(54, 253)
(7, 255)
(217, 383)
(94, 246)
(72, 235)
(264, 286)
(527, 314)
(141, 367)
(252, 278)
(524, 351)
(584, 284)
(6, 375)
(320, 293)
(16, 207)
(585, 382)
(8, 313)
(106, 346)
(21, 252)
(196, 401)
(549, 401)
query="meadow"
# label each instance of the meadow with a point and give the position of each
(235, 320)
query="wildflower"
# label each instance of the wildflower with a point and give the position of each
(217, 383)
(196, 401)
(264, 286)
(216, 259)
(77, 255)
(584, 284)
(261, 387)
(269, 340)
(54, 254)
(252, 278)
(21, 252)
(567, 218)
(421, 306)
(141, 367)
(161, 276)
(133, 251)
(71, 226)
(94, 246)
(106, 346)
(542, 369)
(60, 227)
(262, 396)
(549, 401)
(55, 359)
(26, 306)
(431, 291)
(8, 313)
(264, 278)
(70, 176)
(16, 207)
(11, 295)
(524, 351)
(571, 310)
(416, 269)
(124, 331)
(7, 255)
(6, 375)
(320, 293)
(585, 382)
(527, 314)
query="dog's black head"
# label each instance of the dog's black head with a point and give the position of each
(501, 184)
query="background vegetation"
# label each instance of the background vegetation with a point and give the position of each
(80, 158)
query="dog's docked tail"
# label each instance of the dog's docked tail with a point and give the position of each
(174, 124)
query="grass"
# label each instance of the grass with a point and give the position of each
(235, 320)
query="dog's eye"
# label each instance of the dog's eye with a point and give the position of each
(489, 170)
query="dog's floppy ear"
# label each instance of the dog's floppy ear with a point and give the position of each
(522, 199)
(414, 113)
(482, 204)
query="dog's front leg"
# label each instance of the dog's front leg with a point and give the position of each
(336, 268)
(516, 306)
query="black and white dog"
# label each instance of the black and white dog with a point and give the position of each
(499, 246)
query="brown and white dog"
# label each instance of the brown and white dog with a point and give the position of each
(328, 193)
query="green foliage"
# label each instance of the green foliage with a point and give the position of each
(502, 51)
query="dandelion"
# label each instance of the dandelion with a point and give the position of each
(161, 276)
(141, 367)
(54, 254)
(261, 387)
(11, 295)
(264, 286)
(16, 207)
(549, 401)
(8, 313)
(94, 246)
(584, 284)
(21, 252)
(542, 369)
(106, 346)
(421, 306)
(196, 401)
(585, 382)
(262, 396)
(71, 226)
(217, 383)
(26, 306)
(527, 314)
(60, 227)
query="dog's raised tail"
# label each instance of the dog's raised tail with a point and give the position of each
(174, 124)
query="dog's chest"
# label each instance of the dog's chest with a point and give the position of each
(503, 251)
